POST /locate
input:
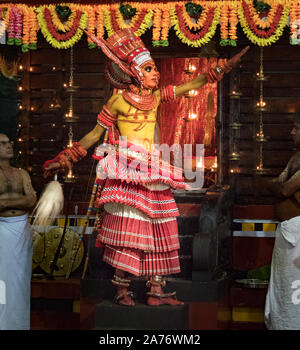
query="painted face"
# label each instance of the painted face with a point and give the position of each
(150, 75)
(296, 134)
(6, 147)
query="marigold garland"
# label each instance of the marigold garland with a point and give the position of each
(233, 20)
(228, 24)
(57, 40)
(30, 28)
(21, 22)
(165, 27)
(224, 23)
(259, 36)
(157, 26)
(100, 20)
(91, 12)
(204, 35)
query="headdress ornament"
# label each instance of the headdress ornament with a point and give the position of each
(127, 52)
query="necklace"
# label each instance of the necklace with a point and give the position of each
(9, 187)
(144, 102)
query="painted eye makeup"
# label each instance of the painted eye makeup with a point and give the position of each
(148, 69)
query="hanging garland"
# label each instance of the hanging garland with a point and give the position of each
(161, 25)
(30, 29)
(254, 28)
(100, 20)
(184, 33)
(49, 27)
(228, 24)
(194, 22)
(165, 27)
(14, 28)
(91, 25)
(233, 21)
(139, 23)
(157, 26)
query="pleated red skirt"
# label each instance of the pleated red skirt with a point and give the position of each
(139, 231)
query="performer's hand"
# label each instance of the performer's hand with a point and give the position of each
(236, 58)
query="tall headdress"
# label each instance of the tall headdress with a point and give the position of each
(127, 53)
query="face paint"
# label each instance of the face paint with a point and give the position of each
(151, 75)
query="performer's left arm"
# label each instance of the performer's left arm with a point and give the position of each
(194, 84)
(27, 200)
(214, 74)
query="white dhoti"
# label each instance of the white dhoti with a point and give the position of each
(15, 272)
(282, 309)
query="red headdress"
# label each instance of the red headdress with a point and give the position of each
(127, 53)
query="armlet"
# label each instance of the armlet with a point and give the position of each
(167, 93)
(106, 118)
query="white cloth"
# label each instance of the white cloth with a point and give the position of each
(282, 309)
(15, 272)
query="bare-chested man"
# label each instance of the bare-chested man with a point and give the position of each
(16, 197)
(282, 310)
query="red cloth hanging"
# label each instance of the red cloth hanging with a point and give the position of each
(173, 127)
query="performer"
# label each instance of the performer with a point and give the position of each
(16, 197)
(139, 230)
(282, 309)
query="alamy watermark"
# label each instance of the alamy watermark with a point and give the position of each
(131, 161)
(2, 292)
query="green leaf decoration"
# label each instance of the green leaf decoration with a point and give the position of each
(193, 10)
(127, 11)
(63, 12)
(261, 7)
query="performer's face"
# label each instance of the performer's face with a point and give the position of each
(151, 75)
(6, 147)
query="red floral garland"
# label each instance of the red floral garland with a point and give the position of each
(137, 24)
(259, 32)
(53, 31)
(186, 31)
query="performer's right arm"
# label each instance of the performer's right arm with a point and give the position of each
(64, 160)
(92, 137)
